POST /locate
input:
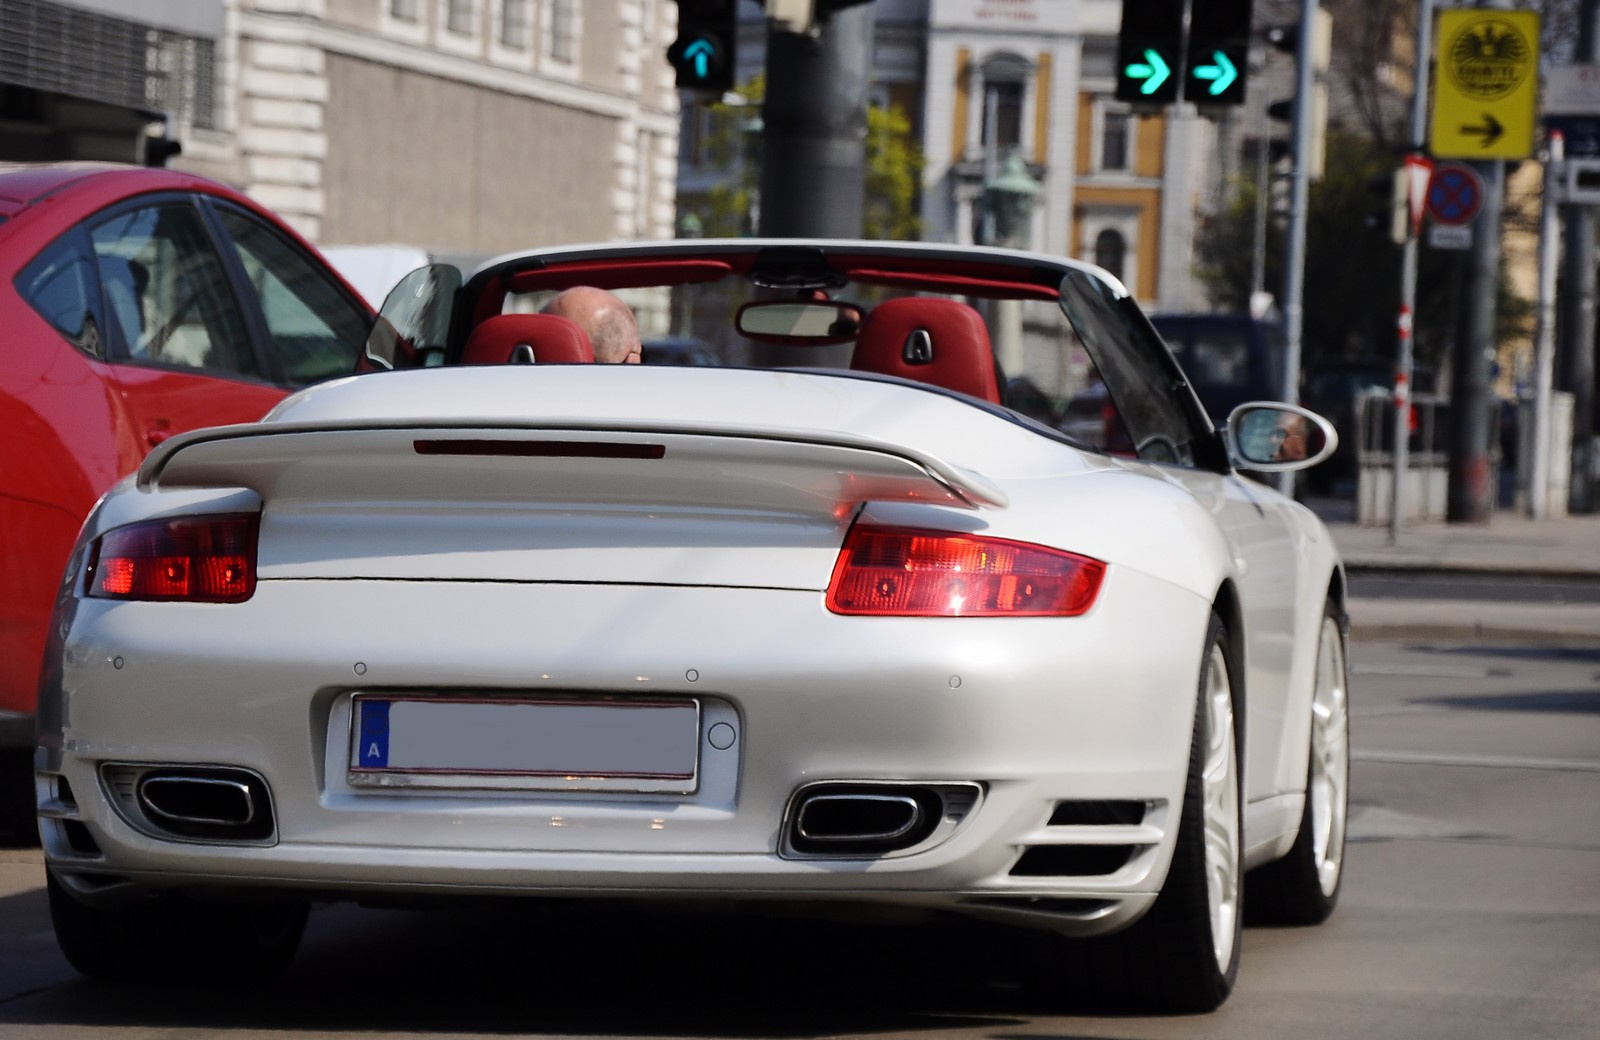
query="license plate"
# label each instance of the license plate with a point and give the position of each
(632, 745)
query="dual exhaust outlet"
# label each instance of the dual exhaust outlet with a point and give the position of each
(208, 804)
(862, 819)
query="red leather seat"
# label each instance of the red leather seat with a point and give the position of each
(931, 340)
(525, 339)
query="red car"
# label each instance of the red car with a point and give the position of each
(136, 303)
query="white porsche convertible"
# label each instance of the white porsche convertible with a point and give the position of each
(859, 616)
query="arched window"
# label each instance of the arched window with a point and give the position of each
(1111, 251)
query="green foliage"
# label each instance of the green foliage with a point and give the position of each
(1351, 298)
(894, 163)
(894, 176)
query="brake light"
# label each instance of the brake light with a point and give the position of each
(207, 559)
(911, 573)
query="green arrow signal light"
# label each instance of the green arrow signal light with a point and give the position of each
(1152, 70)
(700, 53)
(1222, 74)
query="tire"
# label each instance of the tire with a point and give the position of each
(19, 827)
(1182, 957)
(1302, 888)
(173, 940)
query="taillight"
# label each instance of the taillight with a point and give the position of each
(208, 559)
(903, 572)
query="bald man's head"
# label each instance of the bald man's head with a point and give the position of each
(613, 331)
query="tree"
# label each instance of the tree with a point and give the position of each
(894, 176)
(894, 163)
(1352, 272)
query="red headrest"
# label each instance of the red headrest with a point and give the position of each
(932, 340)
(548, 337)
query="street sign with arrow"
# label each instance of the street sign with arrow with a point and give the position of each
(1488, 84)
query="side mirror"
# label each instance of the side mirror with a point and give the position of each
(1274, 437)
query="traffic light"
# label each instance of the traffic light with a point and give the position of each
(1287, 38)
(1150, 52)
(1389, 211)
(703, 53)
(1217, 59)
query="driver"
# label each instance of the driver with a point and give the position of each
(612, 329)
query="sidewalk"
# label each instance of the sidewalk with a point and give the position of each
(1509, 546)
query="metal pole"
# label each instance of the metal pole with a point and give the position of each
(1258, 262)
(1544, 341)
(1578, 310)
(1294, 260)
(1470, 497)
(814, 128)
(1400, 459)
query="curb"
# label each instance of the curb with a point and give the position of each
(1476, 621)
(1370, 567)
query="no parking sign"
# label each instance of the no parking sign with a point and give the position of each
(1455, 195)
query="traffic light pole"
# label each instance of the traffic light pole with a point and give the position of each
(1299, 202)
(1405, 361)
(814, 128)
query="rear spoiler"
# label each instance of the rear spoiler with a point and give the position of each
(315, 460)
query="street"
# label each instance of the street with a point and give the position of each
(1471, 909)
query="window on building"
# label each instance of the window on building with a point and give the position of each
(1111, 252)
(459, 15)
(1005, 87)
(564, 30)
(515, 20)
(1116, 132)
(405, 10)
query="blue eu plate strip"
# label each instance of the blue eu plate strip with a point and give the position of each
(373, 750)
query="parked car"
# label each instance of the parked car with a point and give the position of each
(1230, 358)
(373, 270)
(742, 637)
(137, 303)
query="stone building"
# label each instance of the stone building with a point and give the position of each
(464, 125)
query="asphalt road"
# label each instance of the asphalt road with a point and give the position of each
(1471, 910)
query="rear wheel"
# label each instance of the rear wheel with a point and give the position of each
(1303, 887)
(1182, 956)
(173, 940)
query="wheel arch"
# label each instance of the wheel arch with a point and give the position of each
(1225, 604)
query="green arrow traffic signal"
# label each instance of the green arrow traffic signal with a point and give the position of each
(1153, 71)
(1221, 73)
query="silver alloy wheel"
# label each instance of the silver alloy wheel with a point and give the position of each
(1329, 790)
(1220, 784)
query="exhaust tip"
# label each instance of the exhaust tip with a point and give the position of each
(202, 803)
(865, 819)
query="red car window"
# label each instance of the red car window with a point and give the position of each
(167, 291)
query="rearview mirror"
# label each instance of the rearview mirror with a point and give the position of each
(799, 322)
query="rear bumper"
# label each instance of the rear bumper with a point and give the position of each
(1031, 713)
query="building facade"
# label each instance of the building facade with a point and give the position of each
(983, 80)
(470, 126)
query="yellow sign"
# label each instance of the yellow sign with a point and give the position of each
(1487, 86)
